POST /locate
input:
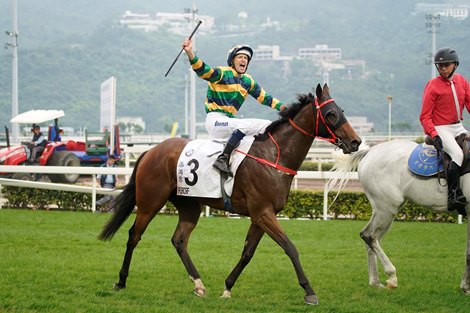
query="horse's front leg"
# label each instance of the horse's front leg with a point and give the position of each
(374, 231)
(465, 284)
(372, 268)
(253, 237)
(268, 222)
(188, 218)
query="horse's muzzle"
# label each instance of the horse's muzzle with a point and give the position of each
(348, 147)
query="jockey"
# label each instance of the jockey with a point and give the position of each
(228, 87)
(444, 98)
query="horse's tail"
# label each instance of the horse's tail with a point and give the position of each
(123, 206)
(344, 168)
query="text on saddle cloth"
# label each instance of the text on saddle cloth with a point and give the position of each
(423, 161)
(196, 177)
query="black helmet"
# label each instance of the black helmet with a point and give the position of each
(239, 49)
(446, 55)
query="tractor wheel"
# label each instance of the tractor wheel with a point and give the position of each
(63, 158)
(23, 176)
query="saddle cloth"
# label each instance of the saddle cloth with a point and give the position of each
(196, 177)
(423, 161)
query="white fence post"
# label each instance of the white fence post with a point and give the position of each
(127, 164)
(325, 202)
(93, 194)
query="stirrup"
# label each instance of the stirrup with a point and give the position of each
(457, 206)
(222, 165)
(456, 202)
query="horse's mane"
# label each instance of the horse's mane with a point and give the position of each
(284, 115)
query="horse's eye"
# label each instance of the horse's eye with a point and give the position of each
(332, 118)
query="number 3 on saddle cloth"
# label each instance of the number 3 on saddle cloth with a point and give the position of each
(423, 161)
(196, 177)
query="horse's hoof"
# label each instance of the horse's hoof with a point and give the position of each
(118, 287)
(392, 285)
(199, 289)
(377, 285)
(200, 292)
(226, 294)
(465, 286)
(312, 299)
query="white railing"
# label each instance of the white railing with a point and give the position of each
(127, 171)
(318, 155)
(93, 171)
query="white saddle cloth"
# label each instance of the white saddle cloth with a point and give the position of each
(196, 177)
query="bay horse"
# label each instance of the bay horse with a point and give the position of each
(259, 191)
(388, 184)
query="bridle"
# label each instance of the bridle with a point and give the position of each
(319, 117)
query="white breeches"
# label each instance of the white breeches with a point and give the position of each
(220, 126)
(448, 134)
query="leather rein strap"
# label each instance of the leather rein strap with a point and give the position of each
(319, 117)
(297, 127)
(269, 163)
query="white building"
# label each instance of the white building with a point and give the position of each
(457, 11)
(178, 23)
(360, 124)
(320, 53)
(269, 53)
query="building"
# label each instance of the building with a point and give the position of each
(320, 53)
(272, 53)
(457, 11)
(361, 125)
(178, 23)
(324, 58)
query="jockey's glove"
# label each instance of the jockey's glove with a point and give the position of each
(437, 142)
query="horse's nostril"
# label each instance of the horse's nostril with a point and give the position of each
(355, 144)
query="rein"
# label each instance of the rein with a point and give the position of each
(297, 127)
(319, 116)
(269, 163)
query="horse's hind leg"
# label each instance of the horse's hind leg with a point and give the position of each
(372, 233)
(135, 234)
(189, 212)
(465, 284)
(251, 242)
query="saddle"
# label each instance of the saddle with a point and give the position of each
(424, 160)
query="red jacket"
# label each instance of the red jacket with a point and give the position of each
(438, 106)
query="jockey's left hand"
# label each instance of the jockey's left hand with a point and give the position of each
(437, 142)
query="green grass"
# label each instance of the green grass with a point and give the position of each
(52, 262)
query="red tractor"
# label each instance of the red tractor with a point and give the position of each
(94, 151)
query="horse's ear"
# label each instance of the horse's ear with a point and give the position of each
(326, 90)
(319, 92)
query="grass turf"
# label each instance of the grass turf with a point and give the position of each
(52, 262)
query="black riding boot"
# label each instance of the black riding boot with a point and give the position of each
(222, 160)
(456, 200)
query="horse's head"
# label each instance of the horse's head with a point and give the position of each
(331, 124)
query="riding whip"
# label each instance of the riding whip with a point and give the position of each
(190, 36)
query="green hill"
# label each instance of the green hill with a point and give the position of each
(67, 49)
